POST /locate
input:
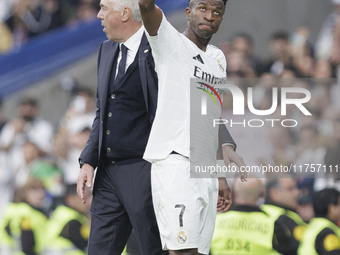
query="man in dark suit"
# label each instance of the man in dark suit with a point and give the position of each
(126, 101)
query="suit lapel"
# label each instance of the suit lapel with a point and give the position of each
(105, 70)
(143, 53)
(107, 59)
(142, 50)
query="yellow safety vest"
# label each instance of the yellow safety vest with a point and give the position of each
(275, 212)
(316, 225)
(7, 242)
(56, 244)
(19, 216)
(239, 232)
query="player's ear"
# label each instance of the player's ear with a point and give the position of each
(188, 12)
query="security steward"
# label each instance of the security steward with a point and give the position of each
(323, 235)
(245, 228)
(281, 202)
(69, 227)
(23, 223)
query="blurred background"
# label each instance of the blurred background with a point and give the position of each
(48, 59)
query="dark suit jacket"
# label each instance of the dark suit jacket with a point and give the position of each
(92, 152)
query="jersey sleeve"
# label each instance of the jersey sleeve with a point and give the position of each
(167, 40)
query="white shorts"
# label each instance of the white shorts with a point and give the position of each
(185, 207)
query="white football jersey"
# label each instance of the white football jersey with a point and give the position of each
(178, 60)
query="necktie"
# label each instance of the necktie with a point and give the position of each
(122, 64)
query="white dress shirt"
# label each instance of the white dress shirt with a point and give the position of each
(133, 45)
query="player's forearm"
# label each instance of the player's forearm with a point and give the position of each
(151, 15)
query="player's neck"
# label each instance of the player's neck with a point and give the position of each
(200, 42)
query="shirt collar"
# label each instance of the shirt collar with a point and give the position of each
(134, 41)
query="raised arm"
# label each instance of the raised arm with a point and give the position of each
(151, 15)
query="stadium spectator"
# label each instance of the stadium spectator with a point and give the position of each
(87, 11)
(324, 43)
(80, 10)
(245, 228)
(283, 152)
(55, 9)
(27, 126)
(335, 54)
(30, 161)
(281, 203)
(239, 65)
(29, 18)
(244, 43)
(24, 19)
(322, 236)
(309, 147)
(73, 133)
(281, 59)
(329, 177)
(301, 52)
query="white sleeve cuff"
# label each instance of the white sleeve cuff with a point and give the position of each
(230, 144)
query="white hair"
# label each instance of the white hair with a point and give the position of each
(132, 4)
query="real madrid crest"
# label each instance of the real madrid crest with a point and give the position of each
(181, 238)
(221, 66)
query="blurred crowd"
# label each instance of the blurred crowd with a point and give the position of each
(21, 20)
(294, 62)
(309, 148)
(39, 167)
(39, 162)
(31, 147)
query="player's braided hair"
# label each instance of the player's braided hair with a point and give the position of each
(224, 1)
